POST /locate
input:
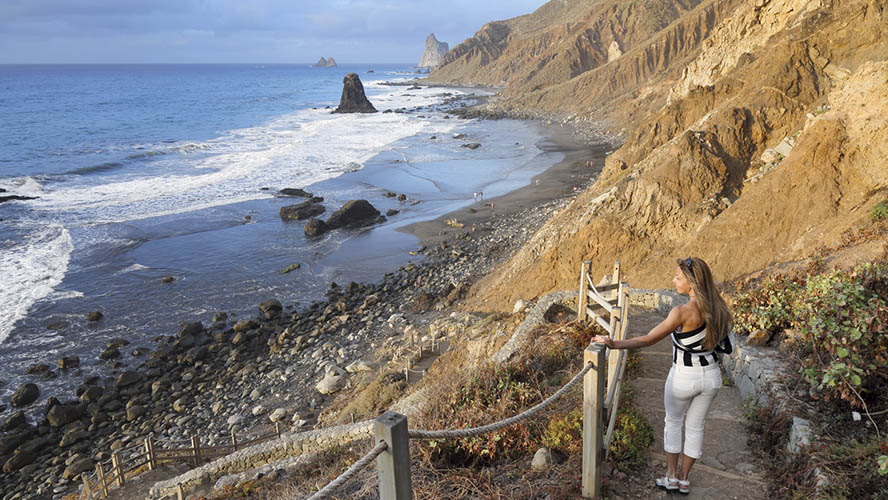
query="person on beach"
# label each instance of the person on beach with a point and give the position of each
(699, 332)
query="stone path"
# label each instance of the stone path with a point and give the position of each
(727, 469)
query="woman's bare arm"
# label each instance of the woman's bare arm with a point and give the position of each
(665, 327)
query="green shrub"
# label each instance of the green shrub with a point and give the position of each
(631, 439)
(771, 307)
(565, 434)
(841, 316)
(879, 211)
(496, 392)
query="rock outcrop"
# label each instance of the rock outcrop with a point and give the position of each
(353, 99)
(325, 63)
(434, 53)
(746, 135)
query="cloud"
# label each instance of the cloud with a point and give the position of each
(387, 30)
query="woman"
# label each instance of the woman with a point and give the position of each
(699, 333)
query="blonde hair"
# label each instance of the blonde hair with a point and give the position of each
(712, 306)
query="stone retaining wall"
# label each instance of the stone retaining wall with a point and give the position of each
(535, 317)
(289, 445)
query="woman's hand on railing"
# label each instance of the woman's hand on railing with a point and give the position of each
(603, 339)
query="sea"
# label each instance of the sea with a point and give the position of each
(143, 172)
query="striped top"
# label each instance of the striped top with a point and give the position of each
(687, 348)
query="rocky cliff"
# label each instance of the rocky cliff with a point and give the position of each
(754, 130)
(434, 52)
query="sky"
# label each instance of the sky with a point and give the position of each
(246, 31)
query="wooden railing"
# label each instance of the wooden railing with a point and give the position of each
(128, 461)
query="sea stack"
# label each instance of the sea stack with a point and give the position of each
(434, 52)
(353, 99)
(325, 63)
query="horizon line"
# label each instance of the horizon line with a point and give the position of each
(189, 63)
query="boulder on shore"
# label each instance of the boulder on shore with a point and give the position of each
(62, 415)
(271, 308)
(25, 395)
(355, 213)
(353, 99)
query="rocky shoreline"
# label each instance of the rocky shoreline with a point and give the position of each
(243, 376)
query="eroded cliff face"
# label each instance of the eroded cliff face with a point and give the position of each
(559, 41)
(698, 173)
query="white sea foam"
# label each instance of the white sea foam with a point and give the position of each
(132, 268)
(293, 150)
(30, 270)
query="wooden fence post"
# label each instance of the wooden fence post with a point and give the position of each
(195, 444)
(593, 400)
(149, 450)
(118, 468)
(233, 440)
(100, 479)
(616, 277)
(180, 492)
(616, 326)
(393, 465)
(581, 302)
(86, 488)
(277, 429)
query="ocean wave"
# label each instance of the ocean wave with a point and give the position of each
(146, 154)
(22, 186)
(132, 268)
(102, 167)
(293, 150)
(30, 271)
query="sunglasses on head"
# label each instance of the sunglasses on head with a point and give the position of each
(688, 263)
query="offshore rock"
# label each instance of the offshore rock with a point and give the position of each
(315, 227)
(325, 63)
(353, 99)
(301, 211)
(434, 52)
(295, 192)
(355, 213)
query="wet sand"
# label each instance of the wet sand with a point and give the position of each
(566, 178)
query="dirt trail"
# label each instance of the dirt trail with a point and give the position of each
(727, 469)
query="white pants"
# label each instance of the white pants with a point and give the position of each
(689, 393)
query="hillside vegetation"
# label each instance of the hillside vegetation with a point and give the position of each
(754, 131)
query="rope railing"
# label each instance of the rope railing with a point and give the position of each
(350, 472)
(448, 434)
(475, 431)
